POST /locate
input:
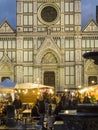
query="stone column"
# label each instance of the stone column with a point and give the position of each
(19, 74)
(61, 77)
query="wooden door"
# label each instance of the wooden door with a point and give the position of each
(49, 78)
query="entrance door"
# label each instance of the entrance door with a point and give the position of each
(92, 80)
(49, 78)
(3, 78)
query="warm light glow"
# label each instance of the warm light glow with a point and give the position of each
(19, 91)
(51, 91)
(93, 81)
(91, 88)
(15, 91)
(33, 91)
(83, 90)
(79, 86)
(25, 91)
(73, 94)
(66, 90)
(38, 93)
(4, 94)
(66, 111)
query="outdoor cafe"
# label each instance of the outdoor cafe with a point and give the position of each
(28, 94)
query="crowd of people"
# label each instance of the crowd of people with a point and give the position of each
(48, 107)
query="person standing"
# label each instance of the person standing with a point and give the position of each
(17, 104)
(35, 111)
(42, 112)
(58, 108)
(50, 118)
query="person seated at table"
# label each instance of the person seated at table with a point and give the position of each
(35, 111)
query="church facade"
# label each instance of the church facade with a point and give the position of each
(47, 45)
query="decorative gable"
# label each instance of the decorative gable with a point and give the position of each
(50, 44)
(5, 59)
(48, 52)
(91, 26)
(6, 28)
(91, 68)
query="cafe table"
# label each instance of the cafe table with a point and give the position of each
(26, 113)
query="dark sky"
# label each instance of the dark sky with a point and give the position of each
(8, 11)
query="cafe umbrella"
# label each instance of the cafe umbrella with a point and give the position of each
(7, 86)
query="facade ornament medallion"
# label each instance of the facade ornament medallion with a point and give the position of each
(48, 13)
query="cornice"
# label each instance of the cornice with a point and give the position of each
(49, 0)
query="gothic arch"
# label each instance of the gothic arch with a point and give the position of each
(48, 46)
(48, 56)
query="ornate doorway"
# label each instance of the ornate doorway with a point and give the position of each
(49, 78)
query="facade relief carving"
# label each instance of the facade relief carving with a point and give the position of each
(49, 58)
(91, 68)
(5, 28)
(6, 66)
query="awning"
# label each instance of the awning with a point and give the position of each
(7, 83)
(32, 86)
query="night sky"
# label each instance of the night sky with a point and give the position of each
(8, 11)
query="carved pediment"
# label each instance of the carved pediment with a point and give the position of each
(91, 68)
(91, 26)
(6, 28)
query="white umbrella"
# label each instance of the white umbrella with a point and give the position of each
(32, 86)
(41, 86)
(23, 86)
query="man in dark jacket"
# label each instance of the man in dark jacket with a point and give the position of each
(17, 104)
(35, 111)
(42, 112)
